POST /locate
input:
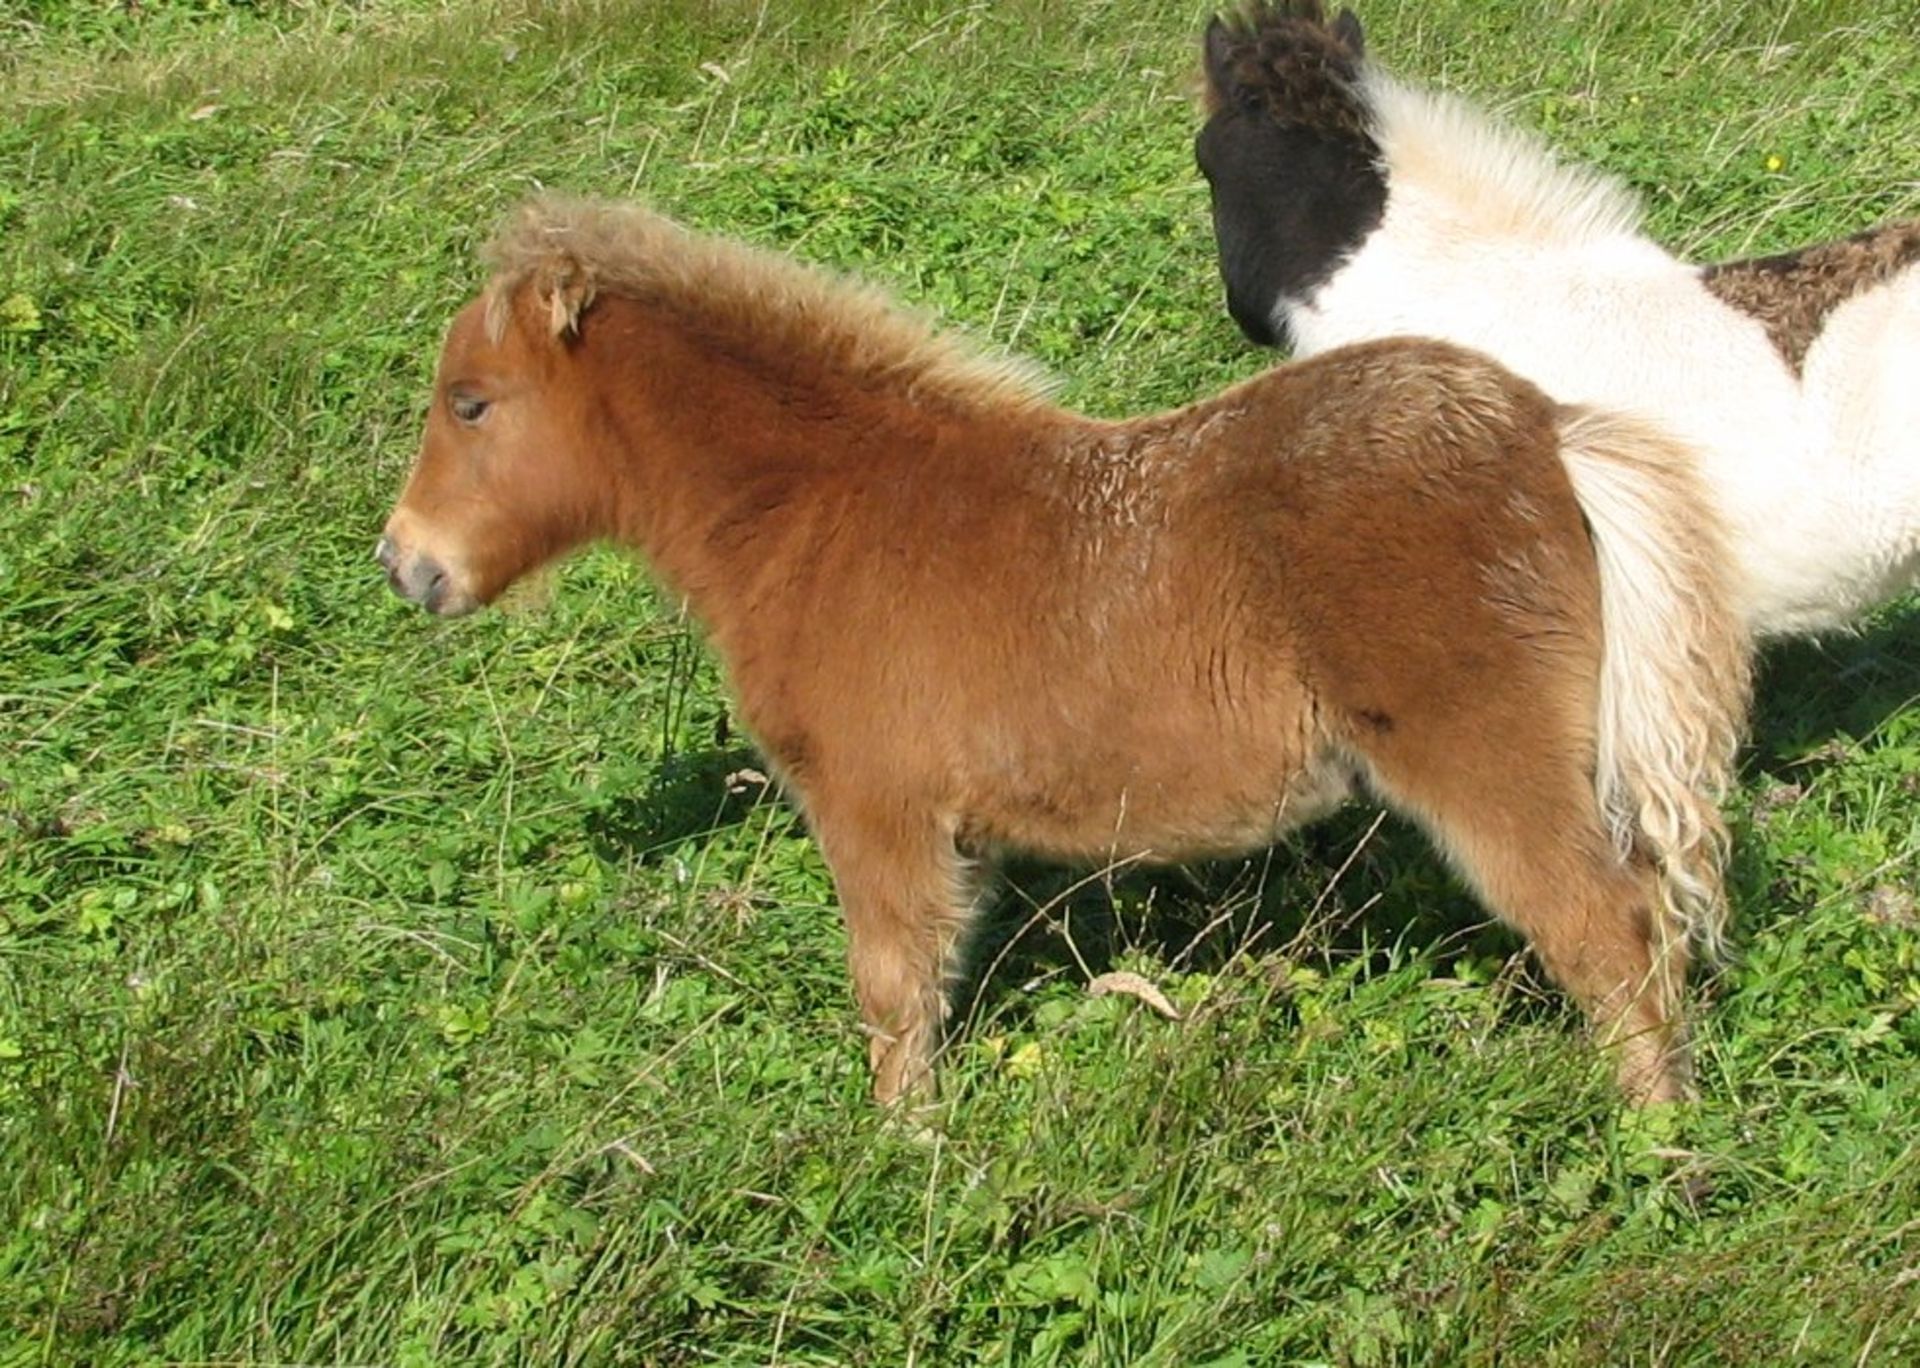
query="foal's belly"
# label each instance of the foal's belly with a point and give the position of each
(1196, 807)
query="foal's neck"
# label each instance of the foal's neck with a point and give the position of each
(737, 461)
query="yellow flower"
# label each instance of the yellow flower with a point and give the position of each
(1775, 161)
(1025, 1061)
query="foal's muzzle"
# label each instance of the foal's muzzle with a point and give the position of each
(419, 579)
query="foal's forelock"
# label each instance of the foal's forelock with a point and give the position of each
(1294, 66)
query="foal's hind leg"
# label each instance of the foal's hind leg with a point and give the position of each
(1528, 833)
(905, 892)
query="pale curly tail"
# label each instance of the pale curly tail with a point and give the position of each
(1676, 670)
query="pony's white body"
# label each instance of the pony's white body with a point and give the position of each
(1489, 243)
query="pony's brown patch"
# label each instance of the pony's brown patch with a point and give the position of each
(1295, 65)
(570, 251)
(1792, 293)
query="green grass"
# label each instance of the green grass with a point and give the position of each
(377, 990)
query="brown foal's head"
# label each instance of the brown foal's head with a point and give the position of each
(504, 481)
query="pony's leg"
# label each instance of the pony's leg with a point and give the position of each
(905, 893)
(1528, 834)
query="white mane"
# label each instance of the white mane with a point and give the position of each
(1501, 182)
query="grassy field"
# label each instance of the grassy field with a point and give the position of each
(383, 991)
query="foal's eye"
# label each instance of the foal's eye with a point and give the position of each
(467, 408)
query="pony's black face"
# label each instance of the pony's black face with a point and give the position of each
(1289, 205)
(1288, 151)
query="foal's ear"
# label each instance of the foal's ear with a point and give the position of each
(567, 290)
(1346, 28)
(1219, 59)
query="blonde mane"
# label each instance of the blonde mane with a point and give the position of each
(1501, 181)
(572, 250)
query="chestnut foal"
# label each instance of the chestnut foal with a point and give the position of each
(961, 620)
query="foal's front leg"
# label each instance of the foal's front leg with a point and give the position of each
(905, 893)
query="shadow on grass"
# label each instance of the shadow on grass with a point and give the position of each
(1814, 701)
(1357, 884)
(692, 794)
(1809, 694)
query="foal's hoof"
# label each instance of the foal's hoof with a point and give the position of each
(909, 1109)
(902, 1073)
(922, 1122)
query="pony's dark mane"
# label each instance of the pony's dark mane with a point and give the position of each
(1298, 68)
(571, 250)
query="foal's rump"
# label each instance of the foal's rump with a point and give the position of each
(1425, 497)
(1861, 384)
(1518, 556)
